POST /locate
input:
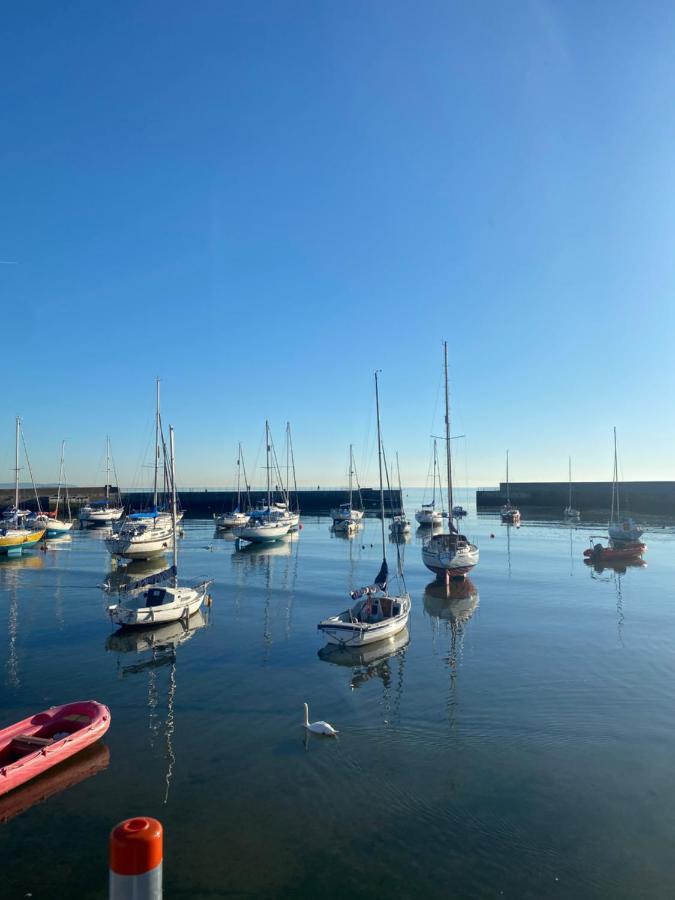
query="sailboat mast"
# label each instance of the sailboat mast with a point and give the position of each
(58, 492)
(379, 458)
(107, 468)
(173, 506)
(16, 466)
(616, 479)
(447, 430)
(400, 489)
(351, 467)
(433, 479)
(267, 444)
(239, 477)
(154, 493)
(569, 502)
(508, 491)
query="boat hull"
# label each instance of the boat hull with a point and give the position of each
(444, 561)
(131, 548)
(359, 635)
(15, 541)
(263, 534)
(188, 601)
(424, 517)
(100, 516)
(85, 722)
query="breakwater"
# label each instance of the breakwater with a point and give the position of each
(644, 497)
(206, 502)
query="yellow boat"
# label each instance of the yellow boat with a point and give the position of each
(16, 540)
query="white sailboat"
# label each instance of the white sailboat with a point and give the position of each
(237, 517)
(570, 512)
(53, 525)
(377, 614)
(400, 524)
(267, 523)
(427, 514)
(159, 605)
(449, 555)
(622, 530)
(509, 513)
(103, 512)
(345, 517)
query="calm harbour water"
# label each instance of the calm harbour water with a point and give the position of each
(521, 743)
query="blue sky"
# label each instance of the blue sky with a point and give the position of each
(262, 203)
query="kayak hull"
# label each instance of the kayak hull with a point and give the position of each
(36, 744)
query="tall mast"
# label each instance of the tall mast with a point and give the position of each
(400, 489)
(569, 503)
(107, 468)
(508, 492)
(288, 466)
(351, 466)
(615, 488)
(58, 493)
(154, 494)
(239, 477)
(16, 467)
(433, 477)
(379, 458)
(173, 506)
(267, 444)
(447, 430)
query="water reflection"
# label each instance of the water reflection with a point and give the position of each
(160, 645)
(449, 609)
(88, 762)
(612, 573)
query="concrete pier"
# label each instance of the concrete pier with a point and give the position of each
(208, 502)
(640, 497)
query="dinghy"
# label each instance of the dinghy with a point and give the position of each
(37, 743)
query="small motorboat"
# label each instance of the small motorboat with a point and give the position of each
(35, 744)
(625, 550)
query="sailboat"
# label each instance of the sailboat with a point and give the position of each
(427, 514)
(452, 554)
(345, 517)
(621, 530)
(103, 512)
(570, 512)
(509, 513)
(377, 614)
(267, 522)
(14, 536)
(237, 517)
(53, 525)
(159, 605)
(400, 524)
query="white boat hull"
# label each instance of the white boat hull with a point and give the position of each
(89, 516)
(429, 517)
(144, 546)
(263, 533)
(231, 520)
(187, 601)
(441, 559)
(360, 633)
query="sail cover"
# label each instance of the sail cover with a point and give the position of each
(151, 579)
(380, 583)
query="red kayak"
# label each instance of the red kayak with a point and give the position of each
(617, 553)
(34, 745)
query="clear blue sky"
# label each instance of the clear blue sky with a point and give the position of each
(263, 202)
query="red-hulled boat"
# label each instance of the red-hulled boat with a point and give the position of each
(37, 743)
(619, 552)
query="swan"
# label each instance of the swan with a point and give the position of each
(318, 727)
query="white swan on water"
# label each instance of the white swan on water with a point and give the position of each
(319, 727)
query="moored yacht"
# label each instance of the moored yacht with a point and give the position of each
(622, 529)
(451, 554)
(427, 514)
(509, 513)
(345, 516)
(377, 613)
(159, 605)
(103, 512)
